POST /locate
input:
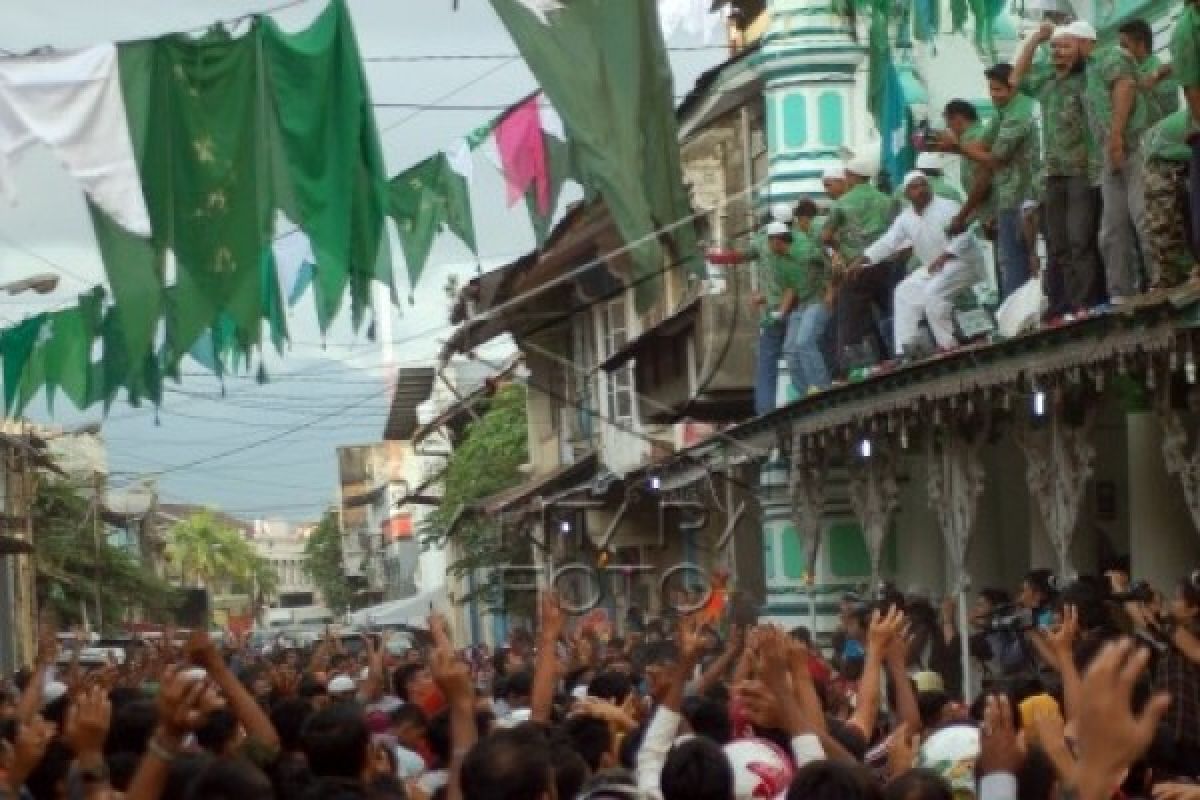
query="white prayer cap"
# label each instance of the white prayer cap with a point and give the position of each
(1061, 32)
(781, 212)
(863, 166)
(53, 691)
(778, 229)
(835, 173)
(1081, 29)
(340, 684)
(915, 175)
(929, 161)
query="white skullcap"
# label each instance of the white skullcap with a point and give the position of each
(53, 691)
(836, 173)
(915, 175)
(863, 166)
(929, 161)
(1081, 29)
(781, 212)
(340, 684)
(778, 229)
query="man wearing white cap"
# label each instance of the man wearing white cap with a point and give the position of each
(948, 265)
(1074, 280)
(859, 217)
(834, 181)
(1117, 116)
(930, 164)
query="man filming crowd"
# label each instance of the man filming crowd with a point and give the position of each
(1091, 691)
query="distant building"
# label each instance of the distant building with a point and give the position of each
(298, 599)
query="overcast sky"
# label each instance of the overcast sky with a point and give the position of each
(321, 395)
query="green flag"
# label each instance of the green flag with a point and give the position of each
(67, 354)
(603, 66)
(425, 200)
(16, 348)
(560, 167)
(333, 171)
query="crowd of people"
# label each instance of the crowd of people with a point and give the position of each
(1087, 158)
(1091, 692)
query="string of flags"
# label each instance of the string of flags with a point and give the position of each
(193, 152)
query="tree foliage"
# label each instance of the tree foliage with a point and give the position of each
(323, 563)
(487, 462)
(69, 560)
(206, 551)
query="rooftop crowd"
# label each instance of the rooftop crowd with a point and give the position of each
(1090, 693)
(1091, 156)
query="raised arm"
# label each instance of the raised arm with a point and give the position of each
(453, 677)
(203, 653)
(1029, 50)
(545, 670)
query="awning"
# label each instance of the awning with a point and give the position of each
(413, 610)
(413, 387)
(552, 483)
(672, 327)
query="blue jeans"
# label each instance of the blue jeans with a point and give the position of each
(802, 347)
(766, 376)
(1012, 254)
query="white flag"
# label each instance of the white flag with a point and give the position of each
(461, 160)
(541, 8)
(692, 16)
(72, 103)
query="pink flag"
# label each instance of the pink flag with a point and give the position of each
(523, 153)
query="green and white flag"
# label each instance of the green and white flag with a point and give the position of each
(603, 66)
(425, 200)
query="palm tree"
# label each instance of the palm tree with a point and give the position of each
(203, 549)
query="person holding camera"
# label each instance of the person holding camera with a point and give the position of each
(1176, 630)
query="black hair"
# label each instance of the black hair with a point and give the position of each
(996, 597)
(519, 684)
(1000, 73)
(52, 770)
(570, 770)
(132, 726)
(183, 772)
(437, 736)
(1037, 776)
(920, 784)
(1189, 586)
(409, 714)
(833, 780)
(512, 764)
(806, 209)
(696, 770)
(1042, 581)
(961, 108)
(590, 737)
(661, 654)
(708, 718)
(121, 769)
(400, 678)
(230, 779)
(611, 685)
(311, 687)
(288, 718)
(1139, 30)
(802, 634)
(630, 745)
(218, 731)
(335, 741)
(931, 705)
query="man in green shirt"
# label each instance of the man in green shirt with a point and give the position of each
(1073, 279)
(1007, 157)
(810, 317)
(1116, 115)
(1167, 155)
(857, 219)
(1185, 67)
(963, 129)
(1159, 91)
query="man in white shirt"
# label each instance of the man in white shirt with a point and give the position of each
(948, 264)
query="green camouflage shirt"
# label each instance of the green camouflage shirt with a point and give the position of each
(1012, 138)
(966, 167)
(1105, 67)
(1067, 146)
(1185, 47)
(776, 274)
(1163, 99)
(1167, 141)
(861, 216)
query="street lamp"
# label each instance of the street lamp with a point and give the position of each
(41, 283)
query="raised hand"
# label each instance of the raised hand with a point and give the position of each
(88, 720)
(1111, 735)
(1062, 637)
(181, 702)
(902, 750)
(202, 651)
(999, 751)
(691, 642)
(552, 617)
(33, 738)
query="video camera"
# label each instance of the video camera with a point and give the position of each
(1140, 592)
(1009, 618)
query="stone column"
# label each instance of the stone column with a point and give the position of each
(875, 493)
(1059, 459)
